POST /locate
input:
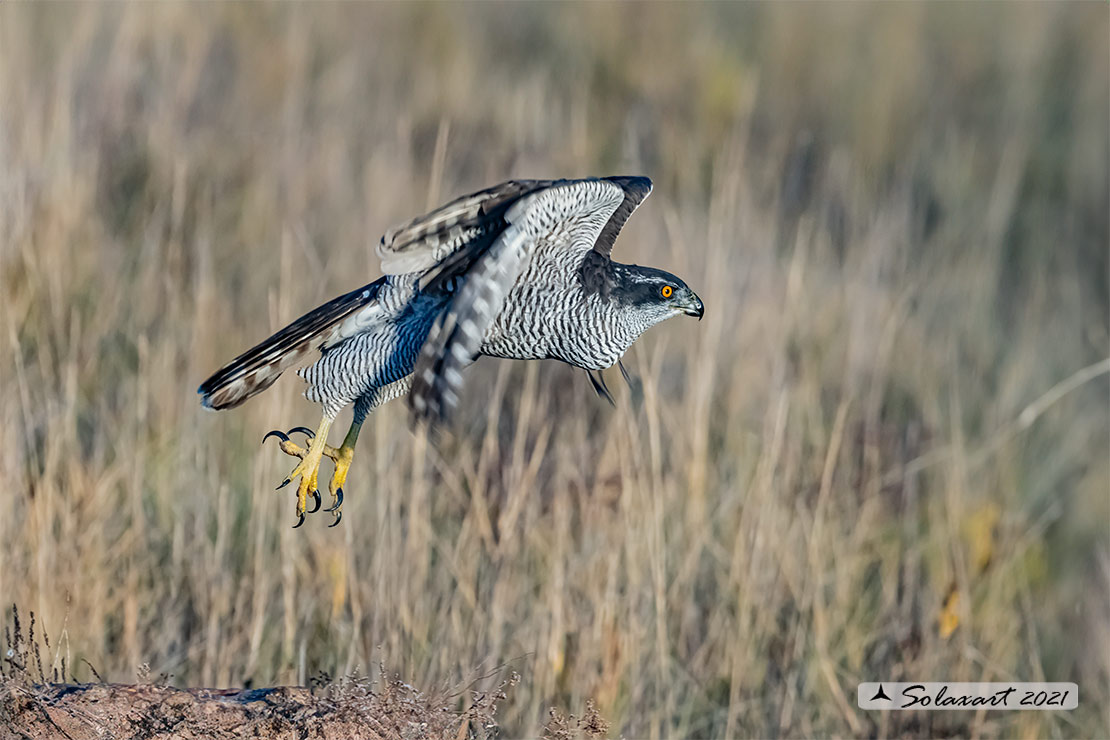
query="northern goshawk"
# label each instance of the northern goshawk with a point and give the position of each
(520, 271)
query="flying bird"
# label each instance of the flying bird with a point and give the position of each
(520, 271)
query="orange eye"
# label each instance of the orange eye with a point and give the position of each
(667, 291)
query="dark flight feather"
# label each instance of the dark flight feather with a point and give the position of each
(260, 366)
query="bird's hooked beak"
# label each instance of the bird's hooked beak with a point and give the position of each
(694, 306)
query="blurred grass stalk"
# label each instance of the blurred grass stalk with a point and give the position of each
(897, 219)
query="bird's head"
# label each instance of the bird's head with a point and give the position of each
(655, 295)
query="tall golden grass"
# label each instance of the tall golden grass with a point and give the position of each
(860, 465)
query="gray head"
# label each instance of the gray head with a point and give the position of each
(654, 295)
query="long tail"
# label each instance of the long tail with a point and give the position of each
(256, 369)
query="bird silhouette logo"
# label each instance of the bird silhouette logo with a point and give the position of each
(880, 694)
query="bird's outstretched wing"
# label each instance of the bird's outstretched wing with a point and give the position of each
(567, 214)
(449, 239)
(425, 242)
(256, 369)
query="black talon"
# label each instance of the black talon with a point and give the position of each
(316, 498)
(305, 431)
(625, 374)
(338, 516)
(600, 387)
(282, 485)
(280, 435)
(300, 521)
(338, 502)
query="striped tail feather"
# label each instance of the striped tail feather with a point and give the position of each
(260, 366)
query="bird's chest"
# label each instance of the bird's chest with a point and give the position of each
(532, 316)
(534, 312)
(545, 320)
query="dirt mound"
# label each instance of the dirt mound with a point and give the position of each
(347, 710)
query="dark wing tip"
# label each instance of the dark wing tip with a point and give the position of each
(638, 186)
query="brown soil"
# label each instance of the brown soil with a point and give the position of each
(119, 711)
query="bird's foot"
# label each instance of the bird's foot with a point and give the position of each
(342, 458)
(307, 469)
(288, 446)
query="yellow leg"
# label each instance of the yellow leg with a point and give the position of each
(342, 457)
(309, 466)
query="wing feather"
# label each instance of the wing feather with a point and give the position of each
(455, 339)
(458, 232)
(426, 241)
(636, 189)
(256, 369)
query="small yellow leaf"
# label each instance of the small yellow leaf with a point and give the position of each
(949, 618)
(979, 532)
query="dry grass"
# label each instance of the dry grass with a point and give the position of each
(896, 217)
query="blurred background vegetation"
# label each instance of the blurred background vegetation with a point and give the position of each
(860, 465)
